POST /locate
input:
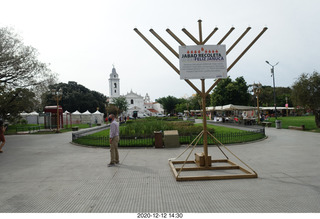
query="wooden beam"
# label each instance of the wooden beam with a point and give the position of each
(210, 168)
(200, 31)
(165, 59)
(215, 177)
(248, 47)
(175, 37)
(191, 36)
(164, 43)
(210, 35)
(225, 36)
(238, 40)
(157, 51)
(244, 175)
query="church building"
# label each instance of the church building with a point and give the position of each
(114, 85)
(137, 104)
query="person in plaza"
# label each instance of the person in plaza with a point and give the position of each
(2, 138)
(113, 140)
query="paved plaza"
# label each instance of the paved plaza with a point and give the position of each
(46, 173)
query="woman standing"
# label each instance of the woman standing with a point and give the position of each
(2, 138)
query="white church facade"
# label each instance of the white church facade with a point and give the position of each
(137, 104)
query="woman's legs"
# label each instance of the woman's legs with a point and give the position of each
(2, 144)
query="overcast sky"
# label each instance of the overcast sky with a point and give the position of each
(81, 40)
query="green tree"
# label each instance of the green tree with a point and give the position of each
(306, 93)
(181, 107)
(112, 109)
(281, 94)
(231, 92)
(77, 97)
(23, 78)
(16, 101)
(266, 96)
(169, 103)
(19, 66)
(195, 101)
(121, 104)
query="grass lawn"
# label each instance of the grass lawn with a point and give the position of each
(307, 121)
(221, 129)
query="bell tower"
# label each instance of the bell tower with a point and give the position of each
(114, 84)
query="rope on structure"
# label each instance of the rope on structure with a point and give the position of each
(201, 133)
(199, 137)
(232, 153)
(214, 139)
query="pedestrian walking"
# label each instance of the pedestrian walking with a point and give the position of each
(2, 138)
(113, 140)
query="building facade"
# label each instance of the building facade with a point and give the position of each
(137, 104)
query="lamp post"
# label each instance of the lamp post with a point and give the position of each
(274, 88)
(57, 95)
(257, 91)
(287, 105)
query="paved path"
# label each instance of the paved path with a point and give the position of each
(235, 125)
(45, 173)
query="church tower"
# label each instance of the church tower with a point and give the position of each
(114, 84)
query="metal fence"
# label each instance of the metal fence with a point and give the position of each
(228, 138)
(29, 129)
(149, 141)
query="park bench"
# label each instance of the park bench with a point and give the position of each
(268, 124)
(297, 127)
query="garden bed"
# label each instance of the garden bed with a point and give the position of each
(140, 133)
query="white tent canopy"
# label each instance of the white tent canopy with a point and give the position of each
(76, 117)
(230, 107)
(97, 117)
(278, 108)
(86, 117)
(33, 114)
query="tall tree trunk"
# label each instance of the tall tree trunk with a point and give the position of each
(317, 117)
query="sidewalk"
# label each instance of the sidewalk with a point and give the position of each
(45, 173)
(235, 125)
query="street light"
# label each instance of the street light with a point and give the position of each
(57, 95)
(274, 88)
(257, 90)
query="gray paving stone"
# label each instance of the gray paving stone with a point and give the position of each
(45, 173)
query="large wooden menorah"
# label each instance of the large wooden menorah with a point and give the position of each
(202, 160)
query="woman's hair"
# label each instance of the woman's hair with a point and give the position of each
(1, 123)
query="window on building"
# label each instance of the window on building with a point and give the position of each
(115, 85)
(131, 101)
(115, 91)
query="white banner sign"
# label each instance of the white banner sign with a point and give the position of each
(203, 61)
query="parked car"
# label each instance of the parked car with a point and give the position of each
(160, 115)
(142, 115)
